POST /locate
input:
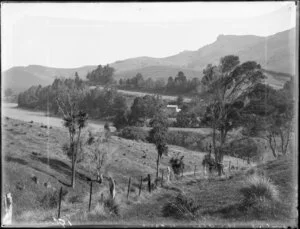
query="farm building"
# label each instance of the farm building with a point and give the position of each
(173, 108)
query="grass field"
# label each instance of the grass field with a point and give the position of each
(29, 150)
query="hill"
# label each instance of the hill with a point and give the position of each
(156, 72)
(38, 153)
(275, 53)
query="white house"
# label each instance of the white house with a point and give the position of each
(173, 108)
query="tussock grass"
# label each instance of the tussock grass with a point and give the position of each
(259, 188)
(182, 206)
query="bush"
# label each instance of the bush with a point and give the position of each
(177, 164)
(134, 133)
(182, 207)
(190, 140)
(258, 189)
(91, 138)
(50, 199)
(112, 206)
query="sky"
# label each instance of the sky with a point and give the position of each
(68, 35)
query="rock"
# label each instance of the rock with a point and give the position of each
(31, 121)
(35, 153)
(20, 186)
(47, 184)
(144, 156)
(34, 179)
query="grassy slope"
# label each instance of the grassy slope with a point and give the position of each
(220, 199)
(25, 152)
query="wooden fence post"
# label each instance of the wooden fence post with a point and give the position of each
(195, 170)
(90, 201)
(7, 219)
(59, 202)
(128, 190)
(162, 177)
(141, 183)
(182, 172)
(229, 168)
(149, 182)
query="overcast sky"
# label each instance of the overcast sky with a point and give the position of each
(76, 34)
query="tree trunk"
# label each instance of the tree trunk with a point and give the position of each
(214, 140)
(273, 147)
(220, 152)
(157, 166)
(74, 159)
(284, 142)
(73, 172)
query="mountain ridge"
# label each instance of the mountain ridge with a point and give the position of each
(275, 53)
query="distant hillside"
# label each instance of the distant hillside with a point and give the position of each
(156, 72)
(275, 53)
(21, 78)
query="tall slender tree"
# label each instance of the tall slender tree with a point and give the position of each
(75, 120)
(158, 135)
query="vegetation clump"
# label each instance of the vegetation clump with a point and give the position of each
(183, 207)
(177, 164)
(259, 188)
(134, 133)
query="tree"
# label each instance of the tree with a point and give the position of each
(271, 116)
(75, 120)
(179, 101)
(143, 108)
(177, 164)
(227, 86)
(158, 135)
(120, 110)
(101, 75)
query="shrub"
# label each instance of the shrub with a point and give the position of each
(50, 198)
(112, 206)
(75, 199)
(134, 133)
(91, 138)
(182, 207)
(258, 189)
(177, 164)
(190, 140)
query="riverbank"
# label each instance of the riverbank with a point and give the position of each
(12, 110)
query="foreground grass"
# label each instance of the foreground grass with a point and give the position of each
(29, 150)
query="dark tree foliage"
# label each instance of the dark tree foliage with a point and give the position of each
(158, 135)
(269, 115)
(177, 164)
(227, 87)
(101, 75)
(144, 108)
(179, 85)
(97, 103)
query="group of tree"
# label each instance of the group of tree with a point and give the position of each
(181, 85)
(97, 103)
(177, 85)
(139, 83)
(102, 75)
(271, 116)
(237, 97)
(142, 109)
